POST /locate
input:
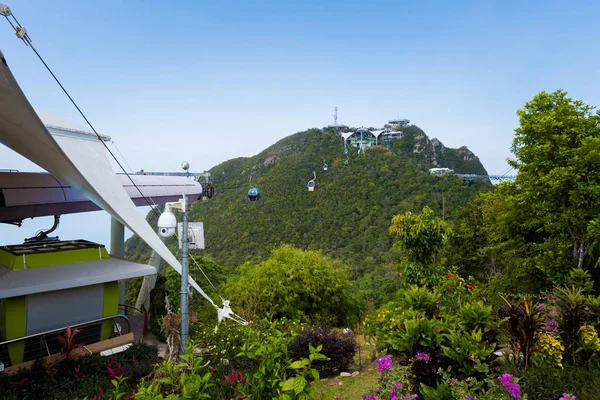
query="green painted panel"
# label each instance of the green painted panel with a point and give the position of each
(15, 262)
(111, 307)
(6, 258)
(13, 317)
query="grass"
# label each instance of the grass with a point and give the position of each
(349, 388)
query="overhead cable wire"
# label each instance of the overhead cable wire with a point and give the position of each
(22, 34)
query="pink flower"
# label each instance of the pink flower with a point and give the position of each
(566, 396)
(383, 363)
(513, 388)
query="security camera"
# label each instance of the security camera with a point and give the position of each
(167, 223)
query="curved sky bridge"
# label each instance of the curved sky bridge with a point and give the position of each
(495, 178)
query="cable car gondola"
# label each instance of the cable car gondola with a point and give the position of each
(311, 184)
(325, 166)
(253, 193)
(208, 189)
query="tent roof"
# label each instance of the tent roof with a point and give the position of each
(57, 277)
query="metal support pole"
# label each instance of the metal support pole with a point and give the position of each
(184, 278)
(149, 282)
(117, 250)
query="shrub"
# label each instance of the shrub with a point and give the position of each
(137, 361)
(524, 324)
(573, 313)
(545, 381)
(477, 316)
(420, 299)
(294, 283)
(550, 350)
(386, 323)
(86, 376)
(467, 350)
(454, 290)
(419, 334)
(339, 347)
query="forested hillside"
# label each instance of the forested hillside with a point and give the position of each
(348, 215)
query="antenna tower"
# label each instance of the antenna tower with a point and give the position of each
(335, 117)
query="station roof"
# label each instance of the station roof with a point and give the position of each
(58, 277)
(31, 194)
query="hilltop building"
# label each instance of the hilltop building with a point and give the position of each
(398, 122)
(364, 138)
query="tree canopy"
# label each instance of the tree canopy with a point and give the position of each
(557, 153)
(546, 223)
(293, 283)
(348, 215)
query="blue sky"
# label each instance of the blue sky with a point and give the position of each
(209, 81)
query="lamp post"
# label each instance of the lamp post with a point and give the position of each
(184, 270)
(184, 277)
(167, 224)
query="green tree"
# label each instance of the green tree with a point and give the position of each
(420, 237)
(294, 283)
(486, 242)
(557, 154)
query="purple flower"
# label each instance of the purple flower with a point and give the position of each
(372, 397)
(383, 363)
(467, 397)
(513, 388)
(378, 390)
(422, 356)
(505, 378)
(398, 385)
(566, 396)
(539, 307)
(552, 327)
(452, 383)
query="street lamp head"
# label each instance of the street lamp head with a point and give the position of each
(185, 165)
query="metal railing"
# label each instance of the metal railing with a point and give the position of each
(46, 343)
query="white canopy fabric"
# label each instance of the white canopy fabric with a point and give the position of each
(346, 135)
(80, 162)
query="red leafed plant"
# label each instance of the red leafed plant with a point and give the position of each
(114, 370)
(68, 342)
(234, 377)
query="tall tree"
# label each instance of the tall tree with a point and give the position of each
(421, 237)
(557, 154)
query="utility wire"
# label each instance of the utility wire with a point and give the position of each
(27, 41)
(148, 200)
(123, 157)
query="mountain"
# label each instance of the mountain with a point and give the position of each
(348, 214)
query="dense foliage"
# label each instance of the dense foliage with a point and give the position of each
(77, 378)
(340, 348)
(531, 233)
(347, 216)
(293, 283)
(467, 291)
